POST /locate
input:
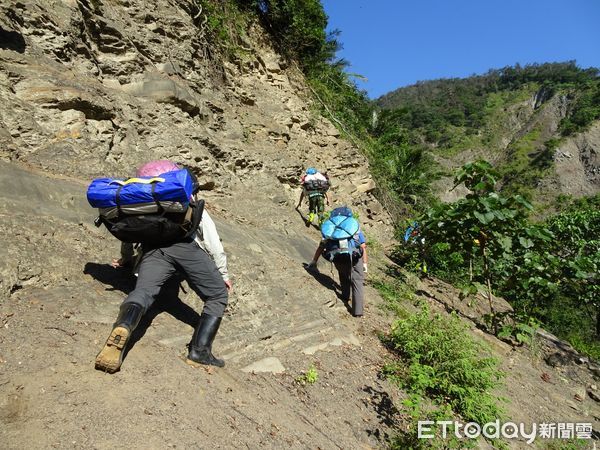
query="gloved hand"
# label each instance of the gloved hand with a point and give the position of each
(120, 263)
(365, 268)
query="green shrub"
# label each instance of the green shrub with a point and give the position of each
(440, 360)
(547, 271)
(297, 28)
(395, 294)
(223, 23)
(409, 438)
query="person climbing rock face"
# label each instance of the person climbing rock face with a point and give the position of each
(315, 186)
(344, 245)
(196, 254)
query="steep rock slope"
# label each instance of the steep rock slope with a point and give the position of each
(99, 87)
(520, 135)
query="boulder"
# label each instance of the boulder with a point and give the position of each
(366, 185)
(164, 90)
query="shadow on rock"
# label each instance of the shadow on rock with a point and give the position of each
(325, 280)
(11, 40)
(307, 222)
(387, 413)
(329, 283)
(119, 279)
(303, 217)
(168, 301)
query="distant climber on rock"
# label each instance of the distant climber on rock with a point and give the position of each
(161, 211)
(315, 186)
(344, 245)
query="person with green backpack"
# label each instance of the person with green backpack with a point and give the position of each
(344, 245)
(315, 186)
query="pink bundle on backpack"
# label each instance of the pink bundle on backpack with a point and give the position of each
(155, 168)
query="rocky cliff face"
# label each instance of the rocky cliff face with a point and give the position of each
(577, 164)
(94, 88)
(576, 161)
(106, 85)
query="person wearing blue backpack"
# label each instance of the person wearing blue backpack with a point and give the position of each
(344, 245)
(193, 251)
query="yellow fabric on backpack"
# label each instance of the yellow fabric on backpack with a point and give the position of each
(140, 180)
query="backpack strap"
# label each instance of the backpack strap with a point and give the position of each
(153, 193)
(193, 216)
(118, 198)
(138, 180)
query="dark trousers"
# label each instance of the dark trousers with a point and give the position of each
(160, 264)
(352, 278)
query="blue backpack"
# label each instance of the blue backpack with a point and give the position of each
(340, 231)
(171, 191)
(410, 232)
(153, 211)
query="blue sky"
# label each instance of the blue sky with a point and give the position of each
(395, 43)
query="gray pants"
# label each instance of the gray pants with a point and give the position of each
(352, 277)
(200, 271)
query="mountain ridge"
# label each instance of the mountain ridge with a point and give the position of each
(519, 118)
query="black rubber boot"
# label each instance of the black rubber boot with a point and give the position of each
(201, 345)
(111, 356)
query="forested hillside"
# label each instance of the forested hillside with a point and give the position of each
(521, 118)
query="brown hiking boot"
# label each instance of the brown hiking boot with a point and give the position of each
(111, 356)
